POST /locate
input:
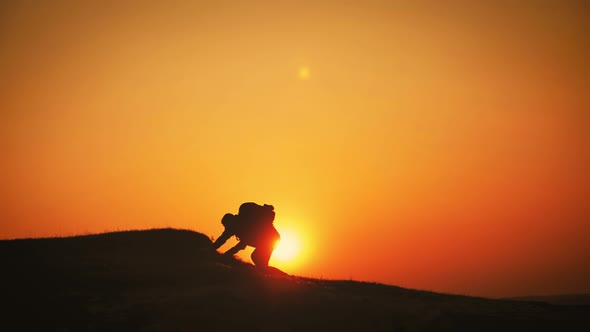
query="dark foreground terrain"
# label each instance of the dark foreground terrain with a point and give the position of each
(171, 280)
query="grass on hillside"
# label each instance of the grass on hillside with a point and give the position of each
(167, 279)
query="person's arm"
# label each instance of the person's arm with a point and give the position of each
(240, 246)
(222, 239)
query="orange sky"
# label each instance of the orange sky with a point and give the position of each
(440, 147)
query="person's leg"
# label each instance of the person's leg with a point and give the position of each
(261, 256)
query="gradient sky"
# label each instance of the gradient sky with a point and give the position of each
(439, 147)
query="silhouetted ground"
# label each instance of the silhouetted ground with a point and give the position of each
(571, 299)
(171, 280)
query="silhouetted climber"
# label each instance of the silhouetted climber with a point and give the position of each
(252, 226)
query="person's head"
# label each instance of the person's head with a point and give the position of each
(228, 220)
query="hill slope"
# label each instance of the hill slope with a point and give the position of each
(162, 280)
(571, 299)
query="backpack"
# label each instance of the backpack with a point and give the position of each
(255, 213)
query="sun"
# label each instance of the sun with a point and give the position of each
(288, 247)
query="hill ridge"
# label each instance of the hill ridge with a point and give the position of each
(166, 278)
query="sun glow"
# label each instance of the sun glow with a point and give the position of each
(288, 247)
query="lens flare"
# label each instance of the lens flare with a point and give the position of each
(303, 73)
